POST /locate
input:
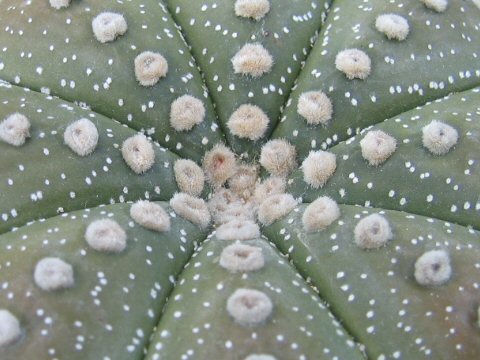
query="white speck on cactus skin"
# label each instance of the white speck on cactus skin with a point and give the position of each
(191, 208)
(138, 153)
(315, 107)
(394, 26)
(248, 122)
(186, 112)
(241, 258)
(377, 146)
(439, 137)
(278, 157)
(52, 273)
(252, 59)
(9, 328)
(189, 176)
(249, 307)
(437, 5)
(372, 232)
(107, 26)
(354, 63)
(238, 230)
(275, 207)
(106, 235)
(150, 215)
(433, 268)
(15, 129)
(81, 136)
(320, 213)
(255, 9)
(150, 67)
(318, 167)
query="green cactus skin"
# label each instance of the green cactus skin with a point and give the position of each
(374, 293)
(165, 296)
(71, 63)
(412, 179)
(66, 181)
(286, 32)
(195, 319)
(436, 58)
(117, 298)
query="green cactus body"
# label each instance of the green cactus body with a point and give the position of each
(326, 205)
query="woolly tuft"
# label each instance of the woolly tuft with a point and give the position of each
(150, 215)
(255, 9)
(249, 307)
(394, 26)
(377, 146)
(315, 107)
(107, 26)
(189, 176)
(9, 328)
(278, 157)
(433, 268)
(242, 258)
(150, 67)
(191, 208)
(238, 230)
(438, 137)
(58, 4)
(354, 63)
(252, 59)
(106, 235)
(186, 112)
(372, 232)
(52, 273)
(219, 164)
(15, 129)
(275, 207)
(138, 153)
(272, 185)
(437, 5)
(320, 213)
(81, 136)
(318, 167)
(248, 122)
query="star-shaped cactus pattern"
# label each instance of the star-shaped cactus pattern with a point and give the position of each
(242, 179)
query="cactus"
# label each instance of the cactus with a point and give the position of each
(239, 180)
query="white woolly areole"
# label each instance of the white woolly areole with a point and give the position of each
(15, 129)
(106, 235)
(270, 186)
(150, 215)
(238, 230)
(150, 67)
(243, 181)
(52, 273)
(354, 63)
(394, 26)
(377, 146)
(433, 268)
(222, 199)
(320, 214)
(437, 5)
(191, 208)
(315, 107)
(372, 232)
(189, 176)
(9, 328)
(186, 112)
(81, 136)
(219, 164)
(138, 153)
(278, 157)
(260, 357)
(242, 258)
(252, 59)
(438, 137)
(248, 122)
(477, 3)
(275, 207)
(318, 167)
(249, 307)
(58, 4)
(107, 26)
(255, 9)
